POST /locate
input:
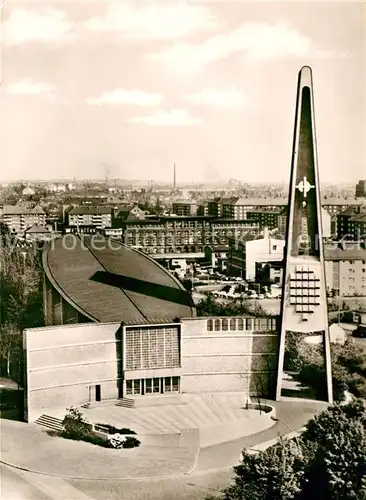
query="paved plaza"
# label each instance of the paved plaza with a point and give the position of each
(29, 446)
(188, 411)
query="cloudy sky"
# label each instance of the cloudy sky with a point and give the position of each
(126, 89)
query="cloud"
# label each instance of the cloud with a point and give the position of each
(28, 87)
(224, 99)
(47, 25)
(153, 21)
(173, 118)
(256, 40)
(124, 96)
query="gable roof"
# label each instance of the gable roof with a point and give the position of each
(37, 229)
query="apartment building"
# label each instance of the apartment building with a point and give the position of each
(214, 207)
(361, 189)
(167, 235)
(19, 218)
(90, 216)
(357, 226)
(350, 222)
(184, 208)
(266, 217)
(238, 208)
(345, 267)
(202, 209)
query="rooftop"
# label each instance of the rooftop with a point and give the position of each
(344, 251)
(359, 218)
(107, 281)
(283, 201)
(21, 210)
(37, 229)
(93, 210)
(185, 202)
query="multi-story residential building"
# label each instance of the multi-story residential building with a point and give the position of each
(348, 222)
(361, 189)
(266, 217)
(345, 268)
(184, 208)
(93, 216)
(335, 205)
(357, 226)
(169, 235)
(19, 218)
(202, 209)
(214, 207)
(238, 208)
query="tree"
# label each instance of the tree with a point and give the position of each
(337, 469)
(275, 474)
(328, 462)
(10, 348)
(211, 307)
(348, 365)
(21, 299)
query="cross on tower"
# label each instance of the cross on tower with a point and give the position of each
(304, 186)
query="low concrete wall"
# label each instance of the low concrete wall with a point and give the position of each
(268, 444)
(187, 438)
(231, 430)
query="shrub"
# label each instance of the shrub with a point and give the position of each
(74, 425)
(131, 442)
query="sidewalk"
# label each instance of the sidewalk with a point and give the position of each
(295, 414)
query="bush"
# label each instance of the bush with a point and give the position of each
(74, 425)
(131, 442)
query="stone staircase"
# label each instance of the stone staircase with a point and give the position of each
(52, 423)
(126, 403)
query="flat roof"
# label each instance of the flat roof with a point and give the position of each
(107, 281)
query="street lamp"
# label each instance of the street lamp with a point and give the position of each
(276, 419)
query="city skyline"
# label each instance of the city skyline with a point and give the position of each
(208, 86)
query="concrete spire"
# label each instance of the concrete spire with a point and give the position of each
(304, 302)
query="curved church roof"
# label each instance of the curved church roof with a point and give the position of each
(108, 281)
